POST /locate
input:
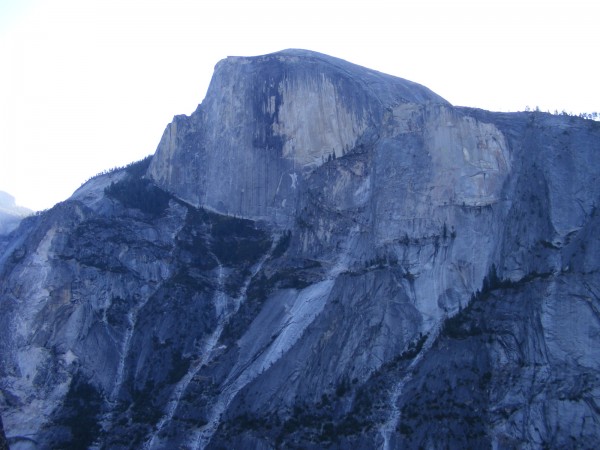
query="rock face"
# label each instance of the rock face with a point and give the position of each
(3, 443)
(320, 256)
(266, 123)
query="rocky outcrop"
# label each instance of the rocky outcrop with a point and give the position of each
(268, 121)
(320, 256)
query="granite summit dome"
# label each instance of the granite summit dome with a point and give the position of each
(320, 256)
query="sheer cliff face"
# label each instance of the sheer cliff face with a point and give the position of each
(268, 121)
(320, 256)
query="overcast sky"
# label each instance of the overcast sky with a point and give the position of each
(86, 85)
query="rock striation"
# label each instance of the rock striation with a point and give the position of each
(266, 123)
(320, 256)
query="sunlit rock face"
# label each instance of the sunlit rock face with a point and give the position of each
(320, 256)
(266, 123)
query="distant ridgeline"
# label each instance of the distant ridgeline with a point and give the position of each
(136, 169)
(10, 213)
(583, 115)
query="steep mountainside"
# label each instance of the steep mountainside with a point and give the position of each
(320, 256)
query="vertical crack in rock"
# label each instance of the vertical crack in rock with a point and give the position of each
(207, 352)
(112, 400)
(389, 426)
(307, 305)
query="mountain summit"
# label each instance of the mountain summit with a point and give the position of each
(269, 121)
(320, 256)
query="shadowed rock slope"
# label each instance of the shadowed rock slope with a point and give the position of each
(320, 256)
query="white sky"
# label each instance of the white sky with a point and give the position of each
(87, 85)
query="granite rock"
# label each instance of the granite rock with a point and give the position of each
(320, 256)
